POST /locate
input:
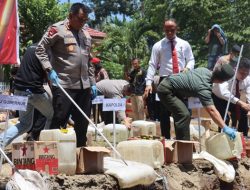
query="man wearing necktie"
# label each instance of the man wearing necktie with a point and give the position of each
(170, 55)
(238, 108)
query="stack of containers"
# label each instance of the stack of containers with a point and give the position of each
(66, 144)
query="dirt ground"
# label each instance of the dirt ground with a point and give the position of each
(197, 176)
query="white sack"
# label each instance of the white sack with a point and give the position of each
(129, 176)
(28, 180)
(223, 169)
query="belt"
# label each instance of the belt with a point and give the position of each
(161, 78)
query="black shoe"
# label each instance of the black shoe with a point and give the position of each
(30, 138)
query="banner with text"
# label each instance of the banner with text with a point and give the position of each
(9, 38)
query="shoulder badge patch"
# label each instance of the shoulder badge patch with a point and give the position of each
(52, 31)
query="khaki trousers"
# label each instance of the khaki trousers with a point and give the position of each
(137, 107)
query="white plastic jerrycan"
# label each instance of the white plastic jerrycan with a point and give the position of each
(223, 148)
(66, 140)
(122, 132)
(141, 127)
(149, 152)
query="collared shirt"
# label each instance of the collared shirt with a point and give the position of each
(70, 55)
(223, 90)
(161, 57)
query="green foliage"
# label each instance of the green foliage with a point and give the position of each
(105, 9)
(135, 38)
(114, 70)
(36, 16)
(196, 17)
(155, 12)
(125, 40)
(5, 72)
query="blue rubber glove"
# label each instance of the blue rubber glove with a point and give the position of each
(93, 92)
(53, 77)
(230, 132)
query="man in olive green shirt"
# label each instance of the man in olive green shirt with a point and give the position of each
(196, 83)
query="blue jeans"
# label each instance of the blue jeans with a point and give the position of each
(39, 101)
(212, 59)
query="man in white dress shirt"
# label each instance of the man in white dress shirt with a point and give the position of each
(238, 108)
(170, 55)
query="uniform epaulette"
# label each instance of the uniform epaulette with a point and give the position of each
(58, 23)
(52, 31)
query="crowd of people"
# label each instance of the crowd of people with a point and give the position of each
(63, 57)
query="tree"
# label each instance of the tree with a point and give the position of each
(196, 17)
(36, 16)
(125, 41)
(103, 10)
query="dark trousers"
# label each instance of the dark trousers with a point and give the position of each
(63, 107)
(108, 117)
(165, 121)
(99, 108)
(39, 121)
(153, 107)
(221, 106)
(177, 108)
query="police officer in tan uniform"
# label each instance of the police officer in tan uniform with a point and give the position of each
(68, 64)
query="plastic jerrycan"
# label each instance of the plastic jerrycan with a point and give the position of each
(66, 144)
(149, 152)
(122, 132)
(223, 148)
(141, 127)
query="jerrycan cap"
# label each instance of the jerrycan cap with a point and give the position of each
(63, 130)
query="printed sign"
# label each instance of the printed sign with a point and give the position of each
(36, 155)
(114, 104)
(98, 100)
(13, 102)
(194, 103)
